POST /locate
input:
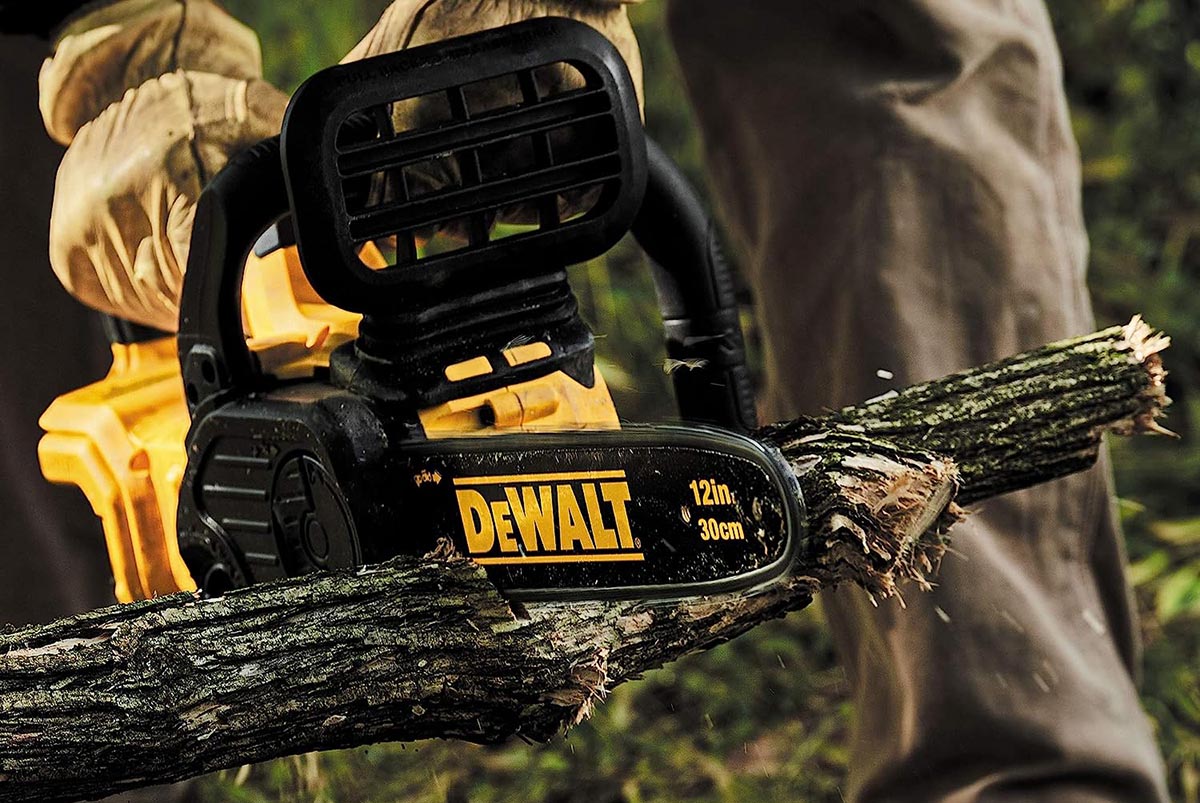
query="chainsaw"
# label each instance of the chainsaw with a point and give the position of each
(341, 391)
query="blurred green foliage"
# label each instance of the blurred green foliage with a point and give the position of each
(298, 38)
(1132, 71)
(766, 716)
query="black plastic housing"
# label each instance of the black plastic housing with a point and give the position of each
(315, 478)
(289, 477)
(695, 290)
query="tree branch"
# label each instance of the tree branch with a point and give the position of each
(419, 647)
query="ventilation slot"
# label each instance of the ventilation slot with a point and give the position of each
(460, 168)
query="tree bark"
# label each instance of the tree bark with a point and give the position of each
(420, 647)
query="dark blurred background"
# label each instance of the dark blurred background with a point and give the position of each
(766, 717)
(51, 344)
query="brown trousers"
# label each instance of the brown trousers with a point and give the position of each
(903, 186)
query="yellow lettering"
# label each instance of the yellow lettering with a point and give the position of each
(617, 494)
(571, 526)
(549, 522)
(504, 527)
(534, 516)
(605, 537)
(476, 521)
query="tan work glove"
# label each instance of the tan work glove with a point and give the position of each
(408, 23)
(152, 97)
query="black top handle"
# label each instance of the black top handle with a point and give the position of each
(266, 183)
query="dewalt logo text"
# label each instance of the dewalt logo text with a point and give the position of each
(547, 518)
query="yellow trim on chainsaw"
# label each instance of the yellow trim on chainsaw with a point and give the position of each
(121, 439)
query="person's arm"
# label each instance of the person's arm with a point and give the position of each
(151, 97)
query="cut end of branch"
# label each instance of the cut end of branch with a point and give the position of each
(1144, 344)
(1143, 339)
(893, 528)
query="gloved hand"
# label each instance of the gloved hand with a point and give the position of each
(152, 97)
(408, 23)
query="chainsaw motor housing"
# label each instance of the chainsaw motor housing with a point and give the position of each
(468, 414)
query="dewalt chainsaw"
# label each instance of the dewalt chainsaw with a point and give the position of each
(324, 402)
